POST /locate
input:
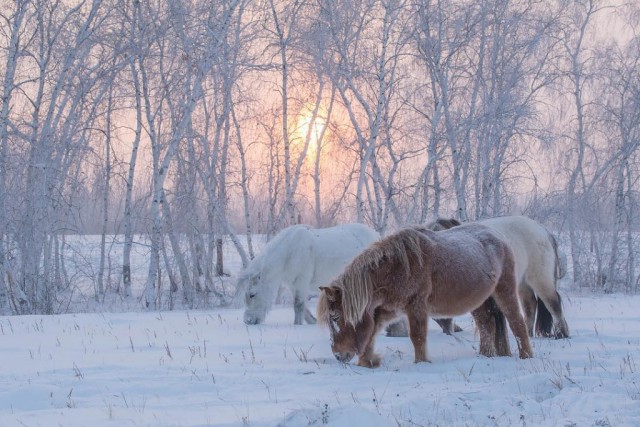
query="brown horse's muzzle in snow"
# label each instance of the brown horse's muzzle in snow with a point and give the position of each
(344, 356)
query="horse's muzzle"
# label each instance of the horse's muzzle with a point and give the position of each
(344, 357)
(251, 320)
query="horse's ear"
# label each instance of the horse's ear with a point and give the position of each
(331, 293)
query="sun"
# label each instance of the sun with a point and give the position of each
(310, 129)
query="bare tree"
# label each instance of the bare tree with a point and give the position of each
(180, 90)
(284, 19)
(135, 55)
(51, 114)
(445, 42)
(622, 112)
(13, 19)
(365, 49)
(577, 73)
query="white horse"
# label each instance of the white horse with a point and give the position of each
(538, 268)
(302, 258)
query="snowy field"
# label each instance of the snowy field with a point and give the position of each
(207, 368)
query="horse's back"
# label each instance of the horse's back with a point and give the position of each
(520, 226)
(466, 261)
(354, 232)
(530, 243)
(469, 250)
(334, 247)
(304, 257)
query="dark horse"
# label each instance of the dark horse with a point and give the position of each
(422, 273)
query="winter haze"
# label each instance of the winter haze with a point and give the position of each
(150, 149)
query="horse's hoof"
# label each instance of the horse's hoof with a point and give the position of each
(425, 360)
(373, 362)
(503, 353)
(526, 354)
(560, 334)
(488, 353)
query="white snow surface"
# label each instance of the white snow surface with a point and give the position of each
(207, 368)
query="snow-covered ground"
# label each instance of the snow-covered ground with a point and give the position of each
(201, 368)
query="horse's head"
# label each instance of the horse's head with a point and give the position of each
(347, 339)
(257, 297)
(442, 224)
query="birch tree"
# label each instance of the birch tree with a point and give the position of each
(577, 73)
(622, 106)
(14, 42)
(182, 88)
(365, 44)
(444, 37)
(283, 29)
(518, 43)
(135, 54)
(58, 101)
(106, 196)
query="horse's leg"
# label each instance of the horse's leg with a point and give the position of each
(492, 327)
(446, 325)
(418, 326)
(299, 307)
(456, 328)
(308, 316)
(501, 338)
(486, 329)
(553, 303)
(506, 298)
(398, 329)
(369, 358)
(529, 304)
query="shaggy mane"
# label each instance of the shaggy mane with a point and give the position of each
(322, 310)
(442, 224)
(356, 282)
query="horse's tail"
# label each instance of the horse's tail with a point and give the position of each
(501, 337)
(544, 319)
(560, 268)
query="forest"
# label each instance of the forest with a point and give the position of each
(196, 128)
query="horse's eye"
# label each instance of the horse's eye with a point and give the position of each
(251, 295)
(335, 317)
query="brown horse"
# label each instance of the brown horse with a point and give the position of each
(422, 273)
(537, 268)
